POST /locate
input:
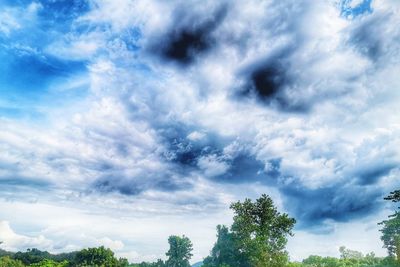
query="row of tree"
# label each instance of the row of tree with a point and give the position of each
(256, 238)
(348, 258)
(179, 255)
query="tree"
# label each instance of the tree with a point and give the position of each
(394, 196)
(6, 261)
(257, 237)
(32, 255)
(391, 235)
(98, 257)
(391, 229)
(346, 253)
(223, 253)
(260, 232)
(180, 251)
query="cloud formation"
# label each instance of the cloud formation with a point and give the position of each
(180, 108)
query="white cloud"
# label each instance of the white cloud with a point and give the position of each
(14, 19)
(13, 241)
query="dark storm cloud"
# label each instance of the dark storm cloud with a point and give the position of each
(269, 81)
(189, 36)
(341, 203)
(21, 181)
(366, 37)
(170, 185)
(186, 155)
(134, 185)
(245, 168)
(264, 81)
(120, 184)
(372, 174)
(184, 151)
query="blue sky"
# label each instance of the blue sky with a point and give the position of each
(124, 122)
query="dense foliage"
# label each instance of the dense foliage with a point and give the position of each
(348, 258)
(257, 238)
(6, 261)
(100, 256)
(180, 251)
(178, 254)
(391, 229)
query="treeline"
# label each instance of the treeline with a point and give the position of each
(178, 255)
(102, 257)
(86, 257)
(256, 238)
(348, 258)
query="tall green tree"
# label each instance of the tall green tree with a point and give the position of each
(391, 229)
(257, 238)
(223, 253)
(180, 251)
(260, 233)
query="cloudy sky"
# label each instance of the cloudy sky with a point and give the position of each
(124, 122)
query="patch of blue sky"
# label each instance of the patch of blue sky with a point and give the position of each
(30, 78)
(63, 11)
(30, 81)
(351, 9)
(20, 113)
(40, 64)
(28, 73)
(14, 3)
(131, 37)
(60, 11)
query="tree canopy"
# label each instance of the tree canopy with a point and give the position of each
(7, 261)
(394, 196)
(257, 237)
(391, 229)
(180, 251)
(99, 257)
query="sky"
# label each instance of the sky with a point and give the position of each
(123, 122)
